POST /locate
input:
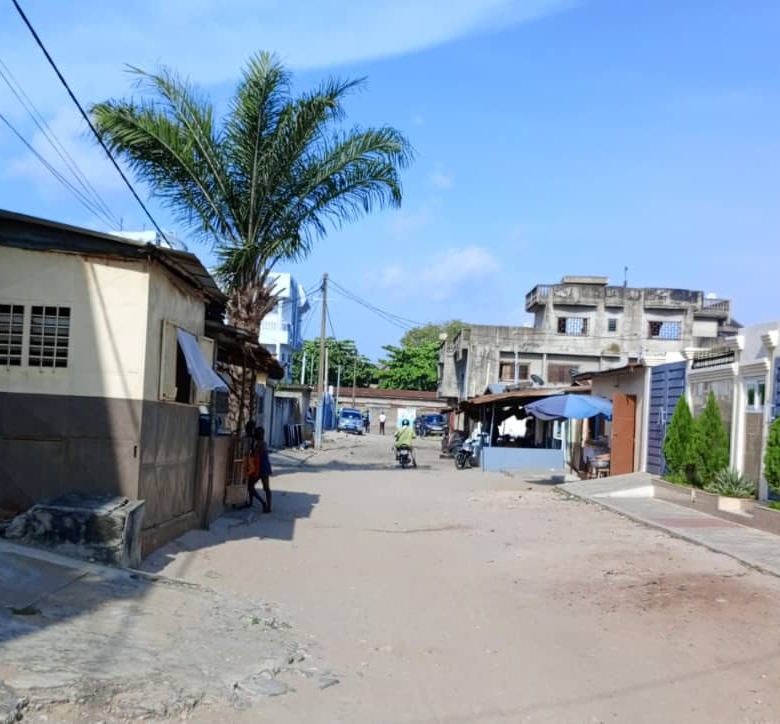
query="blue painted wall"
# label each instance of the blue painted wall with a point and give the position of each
(496, 459)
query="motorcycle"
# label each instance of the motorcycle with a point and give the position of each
(403, 454)
(468, 454)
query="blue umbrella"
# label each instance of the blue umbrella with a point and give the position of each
(570, 407)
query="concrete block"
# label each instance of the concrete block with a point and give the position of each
(103, 528)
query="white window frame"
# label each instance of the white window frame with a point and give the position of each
(7, 343)
(757, 386)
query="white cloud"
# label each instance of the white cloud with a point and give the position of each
(438, 278)
(317, 34)
(73, 147)
(440, 179)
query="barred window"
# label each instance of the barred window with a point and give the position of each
(49, 337)
(577, 326)
(664, 330)
(11, 334)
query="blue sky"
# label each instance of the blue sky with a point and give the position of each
(552, 138)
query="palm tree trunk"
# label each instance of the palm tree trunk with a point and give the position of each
(246, 307)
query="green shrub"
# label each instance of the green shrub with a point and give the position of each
(732, 483)
(772, 457)
(678, 443)
(774, 505)
(710, 452)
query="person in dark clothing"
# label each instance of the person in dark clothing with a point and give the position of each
(264, 468)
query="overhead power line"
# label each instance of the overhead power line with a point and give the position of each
(88, 204)
(402, 322)
(87, 120)
(90, 192)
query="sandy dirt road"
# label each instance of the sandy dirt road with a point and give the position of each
(436, 595)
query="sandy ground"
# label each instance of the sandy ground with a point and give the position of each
(436, 595)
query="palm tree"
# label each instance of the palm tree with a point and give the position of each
(262, 184)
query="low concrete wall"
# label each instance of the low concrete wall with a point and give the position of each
(734, 509)
(496, 459)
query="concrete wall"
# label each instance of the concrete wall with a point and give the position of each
(56, 444)
(496, 459)
(107, 301)
(167, 301)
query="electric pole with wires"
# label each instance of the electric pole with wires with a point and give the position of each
(322, 374)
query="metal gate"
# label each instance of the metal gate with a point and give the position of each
(667, 385)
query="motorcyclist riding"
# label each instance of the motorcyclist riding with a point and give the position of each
(404, 436)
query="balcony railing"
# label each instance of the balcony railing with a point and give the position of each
(716, 305)
(268, 325)
(537, 295)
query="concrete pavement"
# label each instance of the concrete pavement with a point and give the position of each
(632, 496)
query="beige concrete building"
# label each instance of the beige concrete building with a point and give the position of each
(104, 364)
(581, 325)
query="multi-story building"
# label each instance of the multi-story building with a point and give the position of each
(281, 331)
(581, 325)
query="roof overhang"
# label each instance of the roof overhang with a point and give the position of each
(34, 234)
(625, 369)
(517, 399)
(236, 346)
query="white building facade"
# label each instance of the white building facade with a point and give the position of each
(281, 331)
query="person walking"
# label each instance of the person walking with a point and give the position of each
(264, 469)
(382, 420)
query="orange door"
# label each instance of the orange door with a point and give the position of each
(623, 432)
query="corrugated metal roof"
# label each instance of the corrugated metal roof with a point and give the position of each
(389, 394)
(35, 234)
(531, 393)
(613, 371)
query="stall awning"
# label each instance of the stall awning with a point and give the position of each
(570, 407)
(198, 366)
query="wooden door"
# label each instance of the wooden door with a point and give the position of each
(623, 433)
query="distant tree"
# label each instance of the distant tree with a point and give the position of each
(410, 368)
(772, 457)
(678, 444)
(340, 352)
(710, 443)
(430, 333)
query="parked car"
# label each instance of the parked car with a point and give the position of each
(350, 420)
(430, 424)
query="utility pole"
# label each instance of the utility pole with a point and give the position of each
(354, 378)
(303, 368)
(338, 387)
(322, 376)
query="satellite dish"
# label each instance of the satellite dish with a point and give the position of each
(537, 380)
